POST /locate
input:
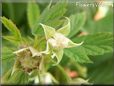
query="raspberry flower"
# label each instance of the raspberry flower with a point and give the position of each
(57, 40)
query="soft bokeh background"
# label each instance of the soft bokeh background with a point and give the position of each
(101, 71)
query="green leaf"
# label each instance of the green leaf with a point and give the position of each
(14, 11)
(7, 59)
(77, 22)
(49, 14)
(6, 77)
(103, 25)
(6, 53)
(19, 10)
(11, 27)
(97, 44)
(9, 8)
(103, 65)
(78, 54)
(49, 31)
(65, 30)
(11, 39)
(53, 12)
(33, 13)
(18, 77)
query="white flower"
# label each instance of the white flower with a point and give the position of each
(57, 40)
(61, 40)
(53, 42)
(47, 79)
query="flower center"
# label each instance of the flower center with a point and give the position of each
(59, 41)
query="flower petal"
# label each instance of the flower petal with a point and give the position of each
(49, 31)
(65, 30)
(52, 42)
(61, 40)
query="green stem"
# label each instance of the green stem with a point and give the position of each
(41, 71)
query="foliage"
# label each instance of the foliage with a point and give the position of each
(54, 45)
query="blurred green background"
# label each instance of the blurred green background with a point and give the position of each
(101, 71)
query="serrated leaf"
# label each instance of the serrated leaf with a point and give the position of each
(78, 54)
(102, 77)
(7, 59)
(18, 77)
(103, 25)
(77, 22)
(54, 11)
(49, 14)
(33, 13)
(11, 39)
(6, 53)
(65, 30)
(11, 27)
(97, 44)
(6, 77)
